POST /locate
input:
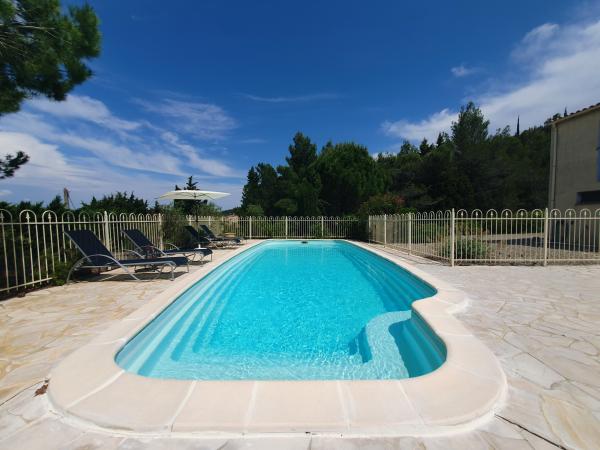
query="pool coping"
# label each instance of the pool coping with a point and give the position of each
(89, 388)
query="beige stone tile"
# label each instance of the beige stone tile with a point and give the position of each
(94, 441)
(26, 373)
(443, 323)
(134, 402)
(432, 305)
(469, 354)
(80, 373)
(377, 405)
(451, 396)
(523, 406)
(216, 406)
(175, 443)
(570, 368)
(270, 442)
(299, 406)
(576, 427)
(503, 435)
(44, 435)
(348, 442)
(464, 441)
(120, 330)
(527, 366)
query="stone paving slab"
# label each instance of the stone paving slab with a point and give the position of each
(543, 324)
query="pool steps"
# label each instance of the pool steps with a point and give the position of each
(195, 320)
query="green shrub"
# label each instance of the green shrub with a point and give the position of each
(61, 268)
(173, 223)
(60, 273)
(466, 249)
(428, 231)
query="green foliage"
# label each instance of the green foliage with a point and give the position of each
(299, 181)
(465, 248)
(383, 204)
(10, 163)
(470, 168)
(429, 231)
(43, 51)
(60, 273)
(173, 223)
(333, 182)
(349, 176)
(62, 268)
(206, 209)
(473, 168)
(254, 210)
(286, 207)
(119, 202)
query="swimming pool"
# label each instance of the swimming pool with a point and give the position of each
(288, 310)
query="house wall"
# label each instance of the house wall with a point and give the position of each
(575, 161)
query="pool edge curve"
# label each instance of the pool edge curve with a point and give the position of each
(88, 387)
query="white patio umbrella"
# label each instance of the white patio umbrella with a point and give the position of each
(184, 194)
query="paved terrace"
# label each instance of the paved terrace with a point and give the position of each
(542, 323)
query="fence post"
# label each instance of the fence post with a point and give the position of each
(384, 230)
(409, 233)
(107, 241)
(546, 232)
(160, 231)
(369, 229)
(286, 227)
(250, 228)
(322, 228)
(452, 237)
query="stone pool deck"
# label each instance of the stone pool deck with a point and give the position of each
(542, 323)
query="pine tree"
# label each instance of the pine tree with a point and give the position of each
(10, 164)
(43, 50)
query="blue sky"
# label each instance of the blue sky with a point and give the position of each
(210, 88)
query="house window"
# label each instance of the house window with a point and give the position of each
(586, 197)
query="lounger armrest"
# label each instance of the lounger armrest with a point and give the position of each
(150, 251)
(170, 246)
(139, 255)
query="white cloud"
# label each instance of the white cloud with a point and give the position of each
(105, 148)
(562, 71)
(49, 170)
(535, 41)
(292, 99)
(83, 108)
(82, 145)
(201, 120)
(463, 71)
(426, 128)
(207, 165)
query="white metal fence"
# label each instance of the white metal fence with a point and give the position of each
(33, 246)
(292, 227)
(506, 237)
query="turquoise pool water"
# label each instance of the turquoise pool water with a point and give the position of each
(294, 311)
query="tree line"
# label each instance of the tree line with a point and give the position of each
(44, 52)
(118, 202)
(470, 168)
